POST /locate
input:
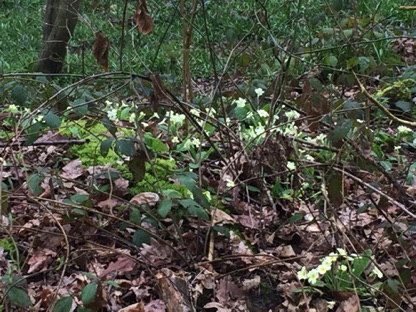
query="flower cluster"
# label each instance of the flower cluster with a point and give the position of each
(329, 263)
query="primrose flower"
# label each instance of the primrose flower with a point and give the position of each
(132, 117)
(230, 183)
(323, 268)
(177, 119)
(175, 140)
(240, 102)
(341, 252)
(333, 256)
(259, 92)
(292, 115)
(195, 142)
(302, 274)
(195, 112)
(327, 261)
(262, 113)
(313, 276)
(291, 165)
(320, 138)
(12, 109)
(112, 114)
(376, 271)
(343, 267)
(404, 130)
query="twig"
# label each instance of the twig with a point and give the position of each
(380, 106)
(40, 143)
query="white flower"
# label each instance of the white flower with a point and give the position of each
(313, 275)
(323, 268)
(175, 140)
(309, 158)
(292, 115)
(331, 304)
(12, 109)
(262, 113)
(177, 119)
(240, 102)
(302, 274)
(132, 117)
(259, 92)
(333, 256)
(327, 261)
(320, 138)
(195, 112)
(291, 165)
(230, 183)
(291, 129)
(155, 115)
(404, 129)
(343, 268)
(376, 271)
(259, 131)
(341, 252)
(195, 142)
(112, 114)
(207, 195)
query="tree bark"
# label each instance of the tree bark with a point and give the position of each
(60, 21)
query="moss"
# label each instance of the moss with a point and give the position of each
(157, 174)
(398, 91)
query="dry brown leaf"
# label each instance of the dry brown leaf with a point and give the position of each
(136, 307)
(352, 304)
(100, 51)
(142, 18)
(148, 198)
(122, 265)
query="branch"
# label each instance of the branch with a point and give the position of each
(381, 106)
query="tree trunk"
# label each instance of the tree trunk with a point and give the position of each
(60, 21)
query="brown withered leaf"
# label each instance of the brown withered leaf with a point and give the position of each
(100, 51)
(159, 91)
(352, 304)
(142, 18)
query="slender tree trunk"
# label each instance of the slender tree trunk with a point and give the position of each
(60, 21)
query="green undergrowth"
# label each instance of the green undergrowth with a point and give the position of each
(158, 170)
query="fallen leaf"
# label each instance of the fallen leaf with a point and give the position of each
(142, 18)
(100, 50)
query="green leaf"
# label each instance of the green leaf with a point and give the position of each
(112, 283)
(361, 263)
(164, 207)
(125, 147)
(137, 166)
(404, 106)
(335, 189)
(19, 94)
(194, 209)
(155, 144)
(52, 120)
(18, 297)
(34, 181)
(341, 130)
(135, 216)
(105, 146)
(79, 107)
(140, 237)
(109, 125)
(331, 60)
(80, 198)
(64, 304)
(296, 217)
(231, 36)
(316, 84)
(88, 293)
(33, 132)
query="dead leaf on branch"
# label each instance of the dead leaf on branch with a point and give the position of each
(142, 18)
(100, 51)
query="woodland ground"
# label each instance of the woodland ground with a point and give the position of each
(281, 179)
